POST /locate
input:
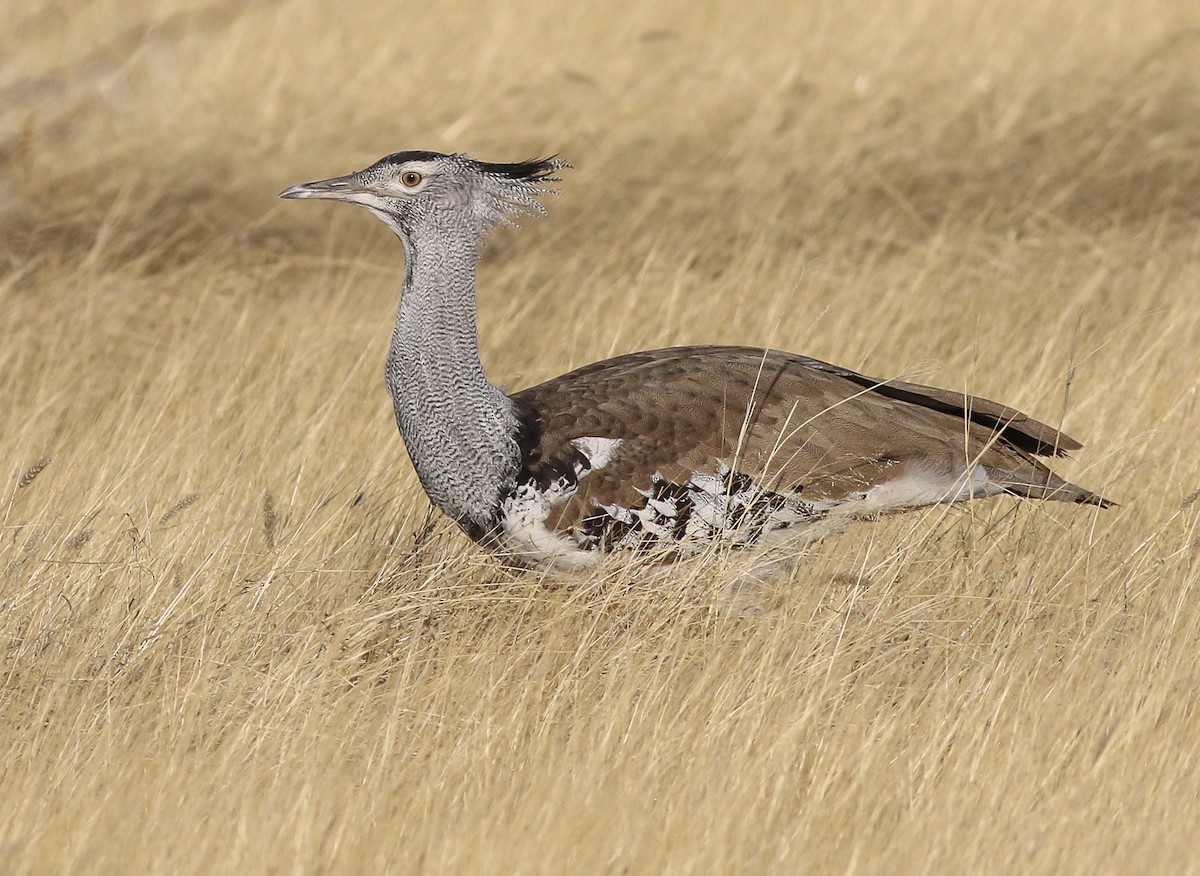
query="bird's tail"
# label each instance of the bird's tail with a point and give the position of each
(1041, 483)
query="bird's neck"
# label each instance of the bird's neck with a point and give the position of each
(460, 430)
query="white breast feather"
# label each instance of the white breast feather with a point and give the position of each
(525, 511)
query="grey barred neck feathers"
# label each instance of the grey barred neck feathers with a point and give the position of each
(459, 429)
(667, 451)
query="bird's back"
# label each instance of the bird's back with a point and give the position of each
(778, 424)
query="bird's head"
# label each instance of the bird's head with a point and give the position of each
(408, 189)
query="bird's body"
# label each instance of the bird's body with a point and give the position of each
(667, 451)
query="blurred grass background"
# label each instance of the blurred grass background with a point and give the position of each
(234, 638)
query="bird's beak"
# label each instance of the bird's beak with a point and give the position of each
(340, 188)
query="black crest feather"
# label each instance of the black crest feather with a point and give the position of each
(533, 170)
(398, 158)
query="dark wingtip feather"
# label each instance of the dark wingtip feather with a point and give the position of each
(1057, 490)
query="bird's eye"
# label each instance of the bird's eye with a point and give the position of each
(410, 178)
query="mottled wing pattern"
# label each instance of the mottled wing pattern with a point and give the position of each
(793, 426)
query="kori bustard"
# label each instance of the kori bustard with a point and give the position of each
(666, 451)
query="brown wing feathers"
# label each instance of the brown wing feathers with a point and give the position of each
(795, 422)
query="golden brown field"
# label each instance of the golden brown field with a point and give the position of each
(234, 639)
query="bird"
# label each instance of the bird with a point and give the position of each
(667, 452)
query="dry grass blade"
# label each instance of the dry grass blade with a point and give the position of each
(182, 505)
(30, 474)
(79, 540)
(269, 519)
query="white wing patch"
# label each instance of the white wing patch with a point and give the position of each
(725, 507)
(599, 451)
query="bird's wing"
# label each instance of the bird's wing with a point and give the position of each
(788, 422)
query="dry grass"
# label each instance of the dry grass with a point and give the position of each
(233, 639)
